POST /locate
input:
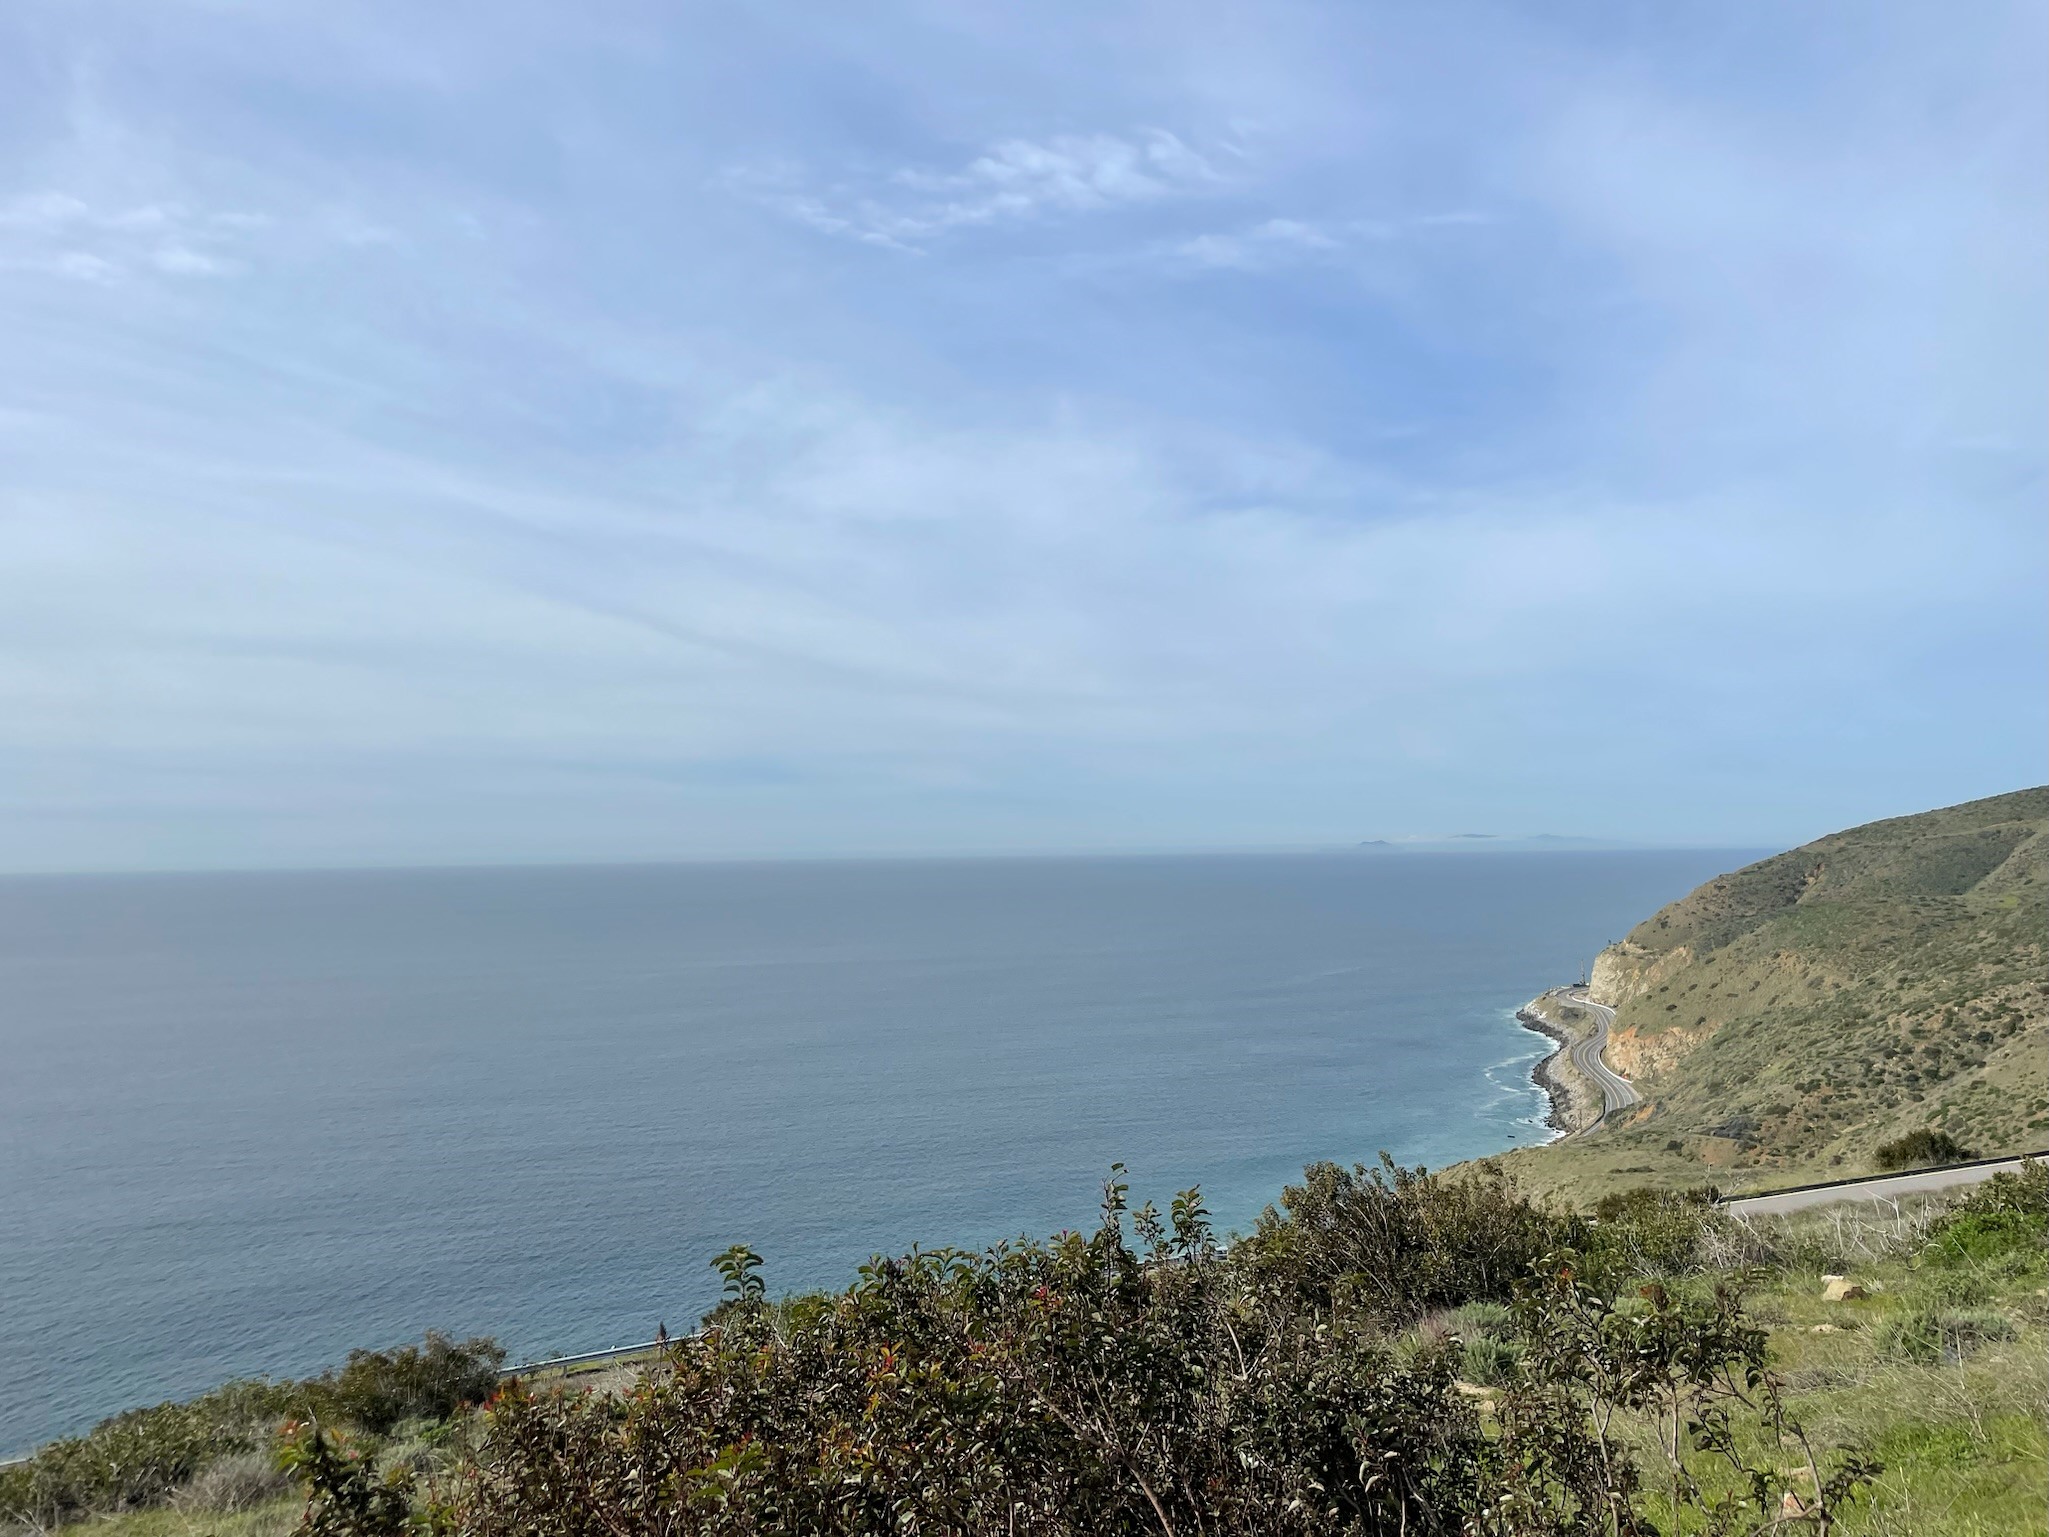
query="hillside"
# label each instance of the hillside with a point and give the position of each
(1784, 1020)
(1387, 1352)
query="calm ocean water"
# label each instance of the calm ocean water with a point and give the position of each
(250, 1121)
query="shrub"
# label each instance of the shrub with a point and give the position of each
(1918, 1149)
(2006, 1217)
(2025, 1191)
(1956, 1285)
(142, 1456)
(1300, 1384)
(1695, 1369)
(1075, 1386)
(1087, 1386)
(1977, 1237)
(134, 1458)
(1493, 1320)
(1942, 1333)
(345, 1498)
(1394, 1243)
(1647, 1231)
(236, 1483)
(376, 1389)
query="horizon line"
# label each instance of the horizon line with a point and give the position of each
(1486, 845)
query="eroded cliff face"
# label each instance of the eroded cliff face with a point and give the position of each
(1635, 1055)
(1626, 971)
(1624, 975)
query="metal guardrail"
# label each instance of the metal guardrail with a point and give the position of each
(556, 1363)
(1875, 1179)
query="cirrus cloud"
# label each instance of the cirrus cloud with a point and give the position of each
(1012, 181)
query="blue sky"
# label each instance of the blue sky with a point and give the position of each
(519, 431)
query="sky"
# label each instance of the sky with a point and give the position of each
(514, 431)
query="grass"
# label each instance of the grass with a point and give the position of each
(1963, 1441)
(1786, 1020)
(276, 1519)
(1961, 1434)
(1955, 1415)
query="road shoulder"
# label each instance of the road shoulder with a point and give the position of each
(1576, 1100)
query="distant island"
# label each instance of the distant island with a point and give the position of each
(1465, 843)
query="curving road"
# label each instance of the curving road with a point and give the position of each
(1616, 1091)
(1889, 1188)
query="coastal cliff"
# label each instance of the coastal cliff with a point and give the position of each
(1785, 1019)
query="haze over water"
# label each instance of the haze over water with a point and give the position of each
(250, 1121)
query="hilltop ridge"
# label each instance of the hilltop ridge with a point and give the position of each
(1785, 1019)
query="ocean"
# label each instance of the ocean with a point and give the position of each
(250, 1121)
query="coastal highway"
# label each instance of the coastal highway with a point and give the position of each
(1886, 1187)
(1616, 1091)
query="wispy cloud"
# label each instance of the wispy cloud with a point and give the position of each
(58, 233)
(1263, 244)
(1431, 377)
(1013, 181)
(1277, 243)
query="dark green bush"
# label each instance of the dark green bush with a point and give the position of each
(1090, 1387)
(1646, 1231)
(1919, 1149)
(2006, 1215)
(346, 1498)
(1395, 1243)
(1083, 1385)
(2024, 1191)
(140, 1456)
(1489, 1361)
(1139, 1379)
(376, 1389)
(1976, 1237)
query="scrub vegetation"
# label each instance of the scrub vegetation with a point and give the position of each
(1388, 1352)
(211, 1463)
(1879, 995)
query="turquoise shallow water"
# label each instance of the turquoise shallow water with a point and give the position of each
(250, 1121)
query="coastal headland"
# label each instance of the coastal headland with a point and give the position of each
(1786, 1022)
(1576, 1100)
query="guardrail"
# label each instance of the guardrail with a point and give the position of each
(1877, 1179)
(556, 1363)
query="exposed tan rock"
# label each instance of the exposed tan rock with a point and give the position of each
(1841, 1289)
(1618, 972)
(1635, 1055)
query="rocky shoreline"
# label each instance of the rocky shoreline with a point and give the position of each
(1559, 1117)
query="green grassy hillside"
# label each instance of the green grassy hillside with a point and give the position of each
(1785, 1020)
